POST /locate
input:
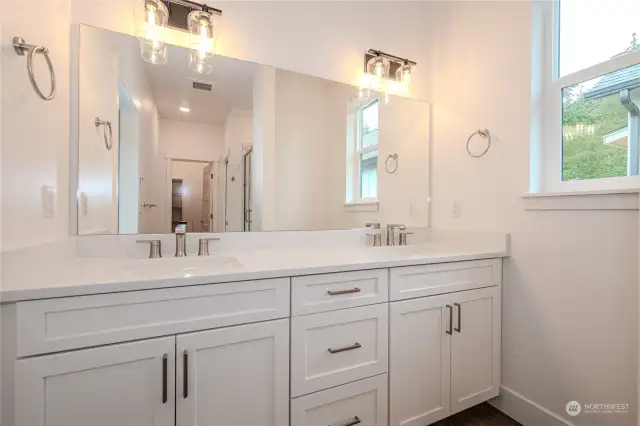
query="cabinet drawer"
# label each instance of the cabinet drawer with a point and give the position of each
(360, 403)
(328, 292)
(54, 325)
(334, 348)
(427, 280)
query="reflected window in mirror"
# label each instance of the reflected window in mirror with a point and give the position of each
(362, 153)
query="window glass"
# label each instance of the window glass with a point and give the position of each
(369, 130)
(593, 31)
(369, 175)
(597, 127)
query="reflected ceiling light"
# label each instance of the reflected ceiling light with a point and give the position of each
(151, 17)
(201, 27)
(185, 109)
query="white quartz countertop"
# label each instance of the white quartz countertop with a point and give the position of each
(29, 278)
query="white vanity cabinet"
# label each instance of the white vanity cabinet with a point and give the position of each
(444, 355)
(234, 376)
(380, 347)
(126, 385)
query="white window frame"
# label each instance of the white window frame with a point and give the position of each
(547, 85)
(353, 194)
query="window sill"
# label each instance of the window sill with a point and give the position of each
(363, 205)
(605, 199)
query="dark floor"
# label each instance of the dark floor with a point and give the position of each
(480, 415)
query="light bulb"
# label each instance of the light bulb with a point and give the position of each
(378, 67)
(406, 74)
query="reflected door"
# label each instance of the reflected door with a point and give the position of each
(208, 203)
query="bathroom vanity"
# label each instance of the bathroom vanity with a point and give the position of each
(275, 328)
(386, 336)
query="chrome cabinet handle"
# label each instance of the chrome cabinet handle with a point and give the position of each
(20, 46)
(356, 345)
(356, 421)
(185, 374)
(165, 359)
(341, 292)
(450, 331)
(459, 329)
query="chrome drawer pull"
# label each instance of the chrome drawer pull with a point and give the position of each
(356, 421)
(340, 292)
(356, 345)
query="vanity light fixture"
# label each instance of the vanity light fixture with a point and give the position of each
(151, 18)
(201, 27)
(388, 68)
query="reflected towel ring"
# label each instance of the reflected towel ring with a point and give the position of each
(20, 46)
(484, 134)
(394, 157)
(108, 137)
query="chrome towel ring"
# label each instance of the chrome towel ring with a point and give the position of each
(484, 134)
(22, 49)
(108, 137)
(392, 170)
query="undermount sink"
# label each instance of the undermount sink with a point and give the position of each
(187, 264)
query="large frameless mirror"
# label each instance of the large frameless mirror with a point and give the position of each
(244, 148)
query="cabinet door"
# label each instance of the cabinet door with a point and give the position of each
(475, 347)
(419, 364)
(236, 376)
(131, 384)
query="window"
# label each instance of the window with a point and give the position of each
(590, 96)
(362, 153)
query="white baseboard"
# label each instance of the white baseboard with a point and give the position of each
(525, 411)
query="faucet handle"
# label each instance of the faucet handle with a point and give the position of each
(203, 249)
(377, 239)
(155, 248)
(403, 237)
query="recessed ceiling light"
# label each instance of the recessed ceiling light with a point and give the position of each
(185, 109)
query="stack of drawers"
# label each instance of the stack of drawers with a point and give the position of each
(340, 349)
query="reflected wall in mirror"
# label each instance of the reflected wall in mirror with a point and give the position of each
(245, 148)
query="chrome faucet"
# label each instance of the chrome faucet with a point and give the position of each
(391, 233)
(181, 239)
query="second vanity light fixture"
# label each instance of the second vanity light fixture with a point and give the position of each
(153, 17)
(386, 72)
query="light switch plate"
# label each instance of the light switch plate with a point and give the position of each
(84, 204)
(48, 201)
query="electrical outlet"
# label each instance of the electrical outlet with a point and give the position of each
(456, 210)
(84, 203)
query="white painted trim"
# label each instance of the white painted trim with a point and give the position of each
(585, 201)
(547, 85)
(358, 206)
(525, 411)
(585, 192)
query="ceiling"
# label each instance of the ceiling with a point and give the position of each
(172, 86)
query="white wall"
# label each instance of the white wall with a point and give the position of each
(35, 134)
(570, 297)
(301, 151)
(263, 164)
